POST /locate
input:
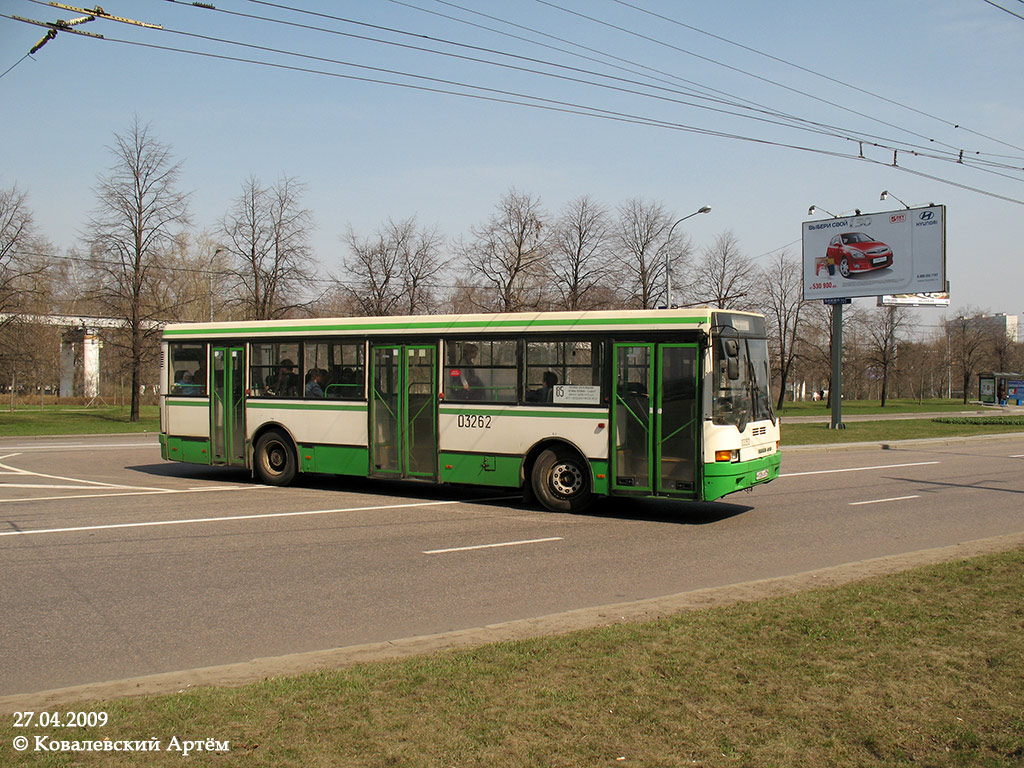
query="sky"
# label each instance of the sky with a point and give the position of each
(757, 109)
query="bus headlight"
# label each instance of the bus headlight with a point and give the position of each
(732, 456)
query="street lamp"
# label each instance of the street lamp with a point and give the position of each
(668, 253)
(815, 208)
(212, 259)
(886, 193)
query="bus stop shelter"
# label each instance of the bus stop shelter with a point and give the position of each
(1001, 388)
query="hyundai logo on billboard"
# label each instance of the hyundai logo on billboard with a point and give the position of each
(889, 252)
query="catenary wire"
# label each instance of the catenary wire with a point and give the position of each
(822, 75)
(738, 70)
(803, 125)
(497, 96)
(790, 120)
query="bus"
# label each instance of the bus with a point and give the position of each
(563, 406)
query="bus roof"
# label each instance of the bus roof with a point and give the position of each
(604, 321)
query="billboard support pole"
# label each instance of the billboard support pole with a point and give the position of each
(837, 367)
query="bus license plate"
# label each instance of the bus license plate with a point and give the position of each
(762, 474)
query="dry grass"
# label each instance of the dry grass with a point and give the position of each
(922, 668)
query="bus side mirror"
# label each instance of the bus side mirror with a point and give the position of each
(732, 352)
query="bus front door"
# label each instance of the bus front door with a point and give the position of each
(403, 411)
(655, 424)
(227, 406)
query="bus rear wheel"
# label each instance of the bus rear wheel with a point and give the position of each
(274, 459)
(561, 481)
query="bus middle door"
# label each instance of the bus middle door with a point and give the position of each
(403, 411)
(655, 424)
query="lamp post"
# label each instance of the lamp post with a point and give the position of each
(668, 253)
(886, 194)
(212, 260)
(815, 208)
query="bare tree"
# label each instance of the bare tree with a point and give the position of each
(725, 278)
(198, 277)
(394, 271)
(580, 255)
(23, 252)
(883, 331)
(139, 213)
(508, 255)
(643, 236)
(815, 342)
(784, 306)
(266, 235)
(970, 338)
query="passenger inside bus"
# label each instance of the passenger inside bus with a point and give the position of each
(546, 392)
(285, 383)
(316, 380)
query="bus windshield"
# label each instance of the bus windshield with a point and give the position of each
(740, 389)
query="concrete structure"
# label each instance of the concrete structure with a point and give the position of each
(80, 348)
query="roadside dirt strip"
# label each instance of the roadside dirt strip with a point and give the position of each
(641, 610)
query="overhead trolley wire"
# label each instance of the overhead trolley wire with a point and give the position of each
(971, 157)
(1005, 10)
(440, 85)
(948, 123)
(745, 72)
(786, 121)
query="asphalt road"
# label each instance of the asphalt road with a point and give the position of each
(114, 564)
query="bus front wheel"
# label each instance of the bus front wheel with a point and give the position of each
(274, 459)
(561, 480)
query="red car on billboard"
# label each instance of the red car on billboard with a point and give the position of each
(854, 252)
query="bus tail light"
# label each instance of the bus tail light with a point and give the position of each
(727, 456)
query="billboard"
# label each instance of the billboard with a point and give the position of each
(875, 254)
(914, 300)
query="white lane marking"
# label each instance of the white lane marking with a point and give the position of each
(84, 483)
(41, 485)
(79, 446)
(229, 518)
(860, 469)
(491, 546)
(880, 501)
(118, 494)
(1018, 456)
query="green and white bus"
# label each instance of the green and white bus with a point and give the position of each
(566, 406)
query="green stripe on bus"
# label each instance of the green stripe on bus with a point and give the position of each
(434, 325)
(200, 402)
(449, 410)
(305, 406)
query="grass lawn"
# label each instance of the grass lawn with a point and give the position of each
(919, 668)
(880, 431)
(75, 420)
(901, 405)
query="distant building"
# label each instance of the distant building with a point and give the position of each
(1008, 324)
